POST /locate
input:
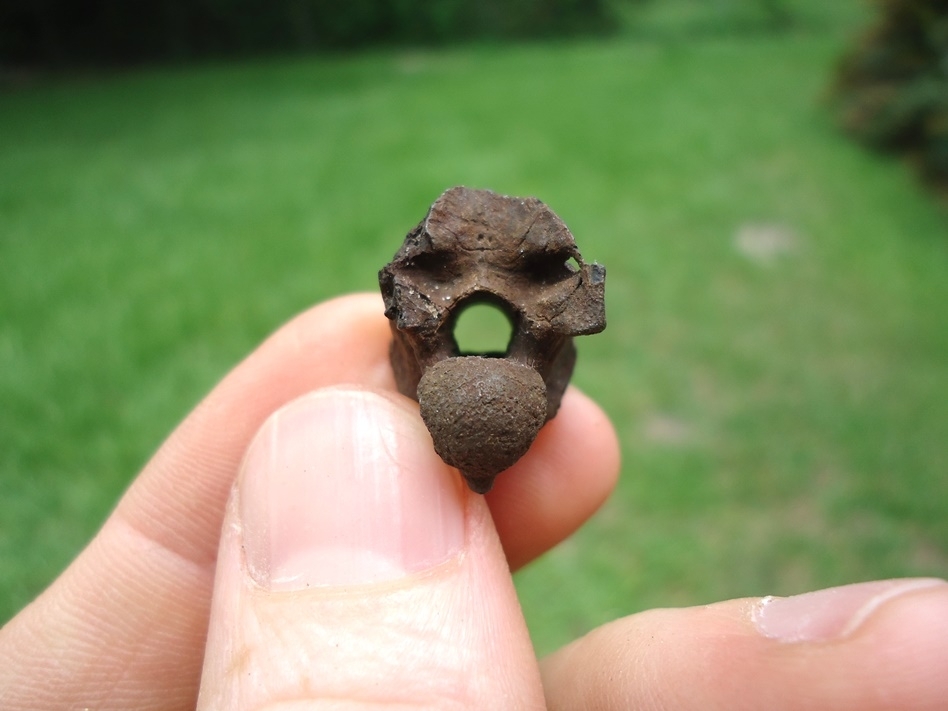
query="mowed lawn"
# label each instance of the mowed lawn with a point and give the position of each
(776, 359)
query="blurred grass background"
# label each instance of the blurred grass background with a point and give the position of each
(776, 361)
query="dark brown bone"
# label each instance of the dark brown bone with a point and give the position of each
(477, 246)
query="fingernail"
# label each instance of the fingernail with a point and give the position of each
(343, 487)
(833, 613)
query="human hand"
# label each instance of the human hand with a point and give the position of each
(355, 571)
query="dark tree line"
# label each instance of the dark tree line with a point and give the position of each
(51, 32)
(892, 89)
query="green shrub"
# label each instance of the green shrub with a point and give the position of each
(891, 91)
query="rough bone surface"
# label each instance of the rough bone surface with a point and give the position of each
(515, 253)
(483, 414)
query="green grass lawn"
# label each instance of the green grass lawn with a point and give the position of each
(776, 360)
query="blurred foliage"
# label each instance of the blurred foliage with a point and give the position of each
(891, 91)
(671, 19)
(59, 32)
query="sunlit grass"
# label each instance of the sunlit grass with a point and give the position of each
(776, 360)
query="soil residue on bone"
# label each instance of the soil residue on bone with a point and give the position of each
(483, 414)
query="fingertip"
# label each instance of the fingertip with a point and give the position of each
(892, 653)
(589, 418)
(360, 309)
(566, 476)
(576, 456)
(350, 332)
(884, 647)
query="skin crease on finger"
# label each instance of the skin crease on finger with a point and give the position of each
(124, 626)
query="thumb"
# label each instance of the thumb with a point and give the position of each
(355, 570)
